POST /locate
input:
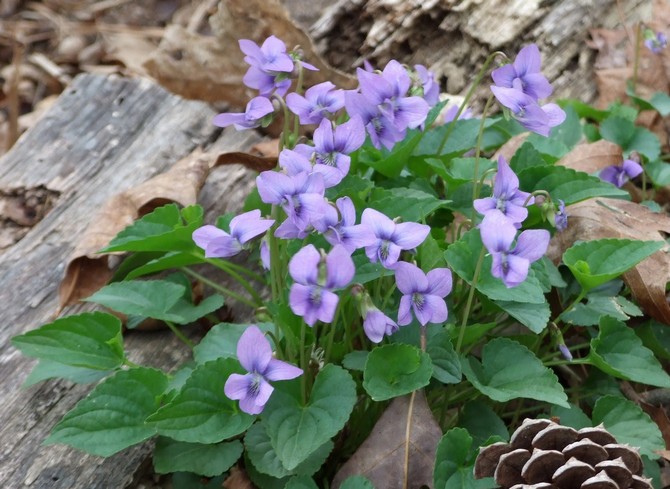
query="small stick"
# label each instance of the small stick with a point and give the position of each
(13, 94)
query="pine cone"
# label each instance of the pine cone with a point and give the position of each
(544, 455)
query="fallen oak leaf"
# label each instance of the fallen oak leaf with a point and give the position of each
(381, 457)
(612, 218)
(253, 162)
(592, 157)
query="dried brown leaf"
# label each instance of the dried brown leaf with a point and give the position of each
(87, 270)
(256, 163)
(238, 479)
(381, 457)
(592, 157)
(508, 149)
(132, 49)
(613, 218)
(211, 68)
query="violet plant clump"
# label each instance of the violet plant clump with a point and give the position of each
(392, 249)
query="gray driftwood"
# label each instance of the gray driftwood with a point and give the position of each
(103, 136)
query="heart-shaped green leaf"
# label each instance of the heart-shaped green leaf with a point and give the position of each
(629, 424)
(112, 416)
(395, 370)
(595, 262)
(297, 430)
(208, 460)
(201, 412)
(619, 352)
(509, 370)
(88, 340)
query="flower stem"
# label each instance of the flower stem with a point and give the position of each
(218, 287)
(468, 303)
(478, 148)
(225, 266)
(408, 432)
(636, 57)
(179, 334)
(303, 363)
(468, 96)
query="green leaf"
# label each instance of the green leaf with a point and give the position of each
(453, 463)
(584, 110)
(48, 369)
(551, 149)
(430, 255)
(661, 102)
(659, 172)
(165, 229)
(526, 157)
(297, 431)
(221, 341)
(265, 459)
(355, 360)
(630, 137)
(656, 337)
(509, 370)
(174, 259)
(460, 170)
(473, 332)
(356, 482)
(548, 275)
(571, 416)
(395, 370)
(158, 299)
(589, 314)
(629, 424)
(619, 352)
(567, 184)
(301, 482)
(446, 364)
(207, 460)
(595, 262)
(570, 131)
(463, 138)
(482, 422)
(391, 163)
(90, 340)
(533, 316)
(409, 204)
(367, 271)
(112, 416)
(201, 412)
(462, 258)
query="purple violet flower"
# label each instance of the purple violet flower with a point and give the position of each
(269, 66)
(561, 217)
(376, 324)
(315, 277)
(265, 254)
(345, 231)
(330, 153)
(422, 293)
(381, 131)
(618, 175)
(392, 238)
(300, 195)
(655, 42)
(430, 89)
(524, 74)
(507, 198)
(220, 244)
(451, 112)
(257, 109)
(320, 101)
(511, 265)
(565, 351)
(253, 389)
(528, 112)
(270, 57)
(388, 92)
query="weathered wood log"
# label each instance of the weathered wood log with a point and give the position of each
(453, 38)
(103, 136)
